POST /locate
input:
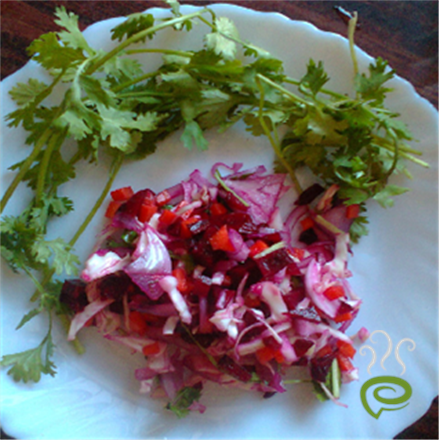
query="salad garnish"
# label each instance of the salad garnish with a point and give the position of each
(112, 108)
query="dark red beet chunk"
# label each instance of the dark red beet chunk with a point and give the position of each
(309, 194)
(115, 285)
(241, 222)
(320, 366)
(273, 262)
(73, 295)
(232, 202)
(202, 286)
(301, 346)
(308, 237)
(238, 272)
(228, 365)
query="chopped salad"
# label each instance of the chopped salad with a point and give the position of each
(209, 282)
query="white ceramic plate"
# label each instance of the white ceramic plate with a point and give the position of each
(395, 272)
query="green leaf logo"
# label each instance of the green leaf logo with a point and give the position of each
(385, 400)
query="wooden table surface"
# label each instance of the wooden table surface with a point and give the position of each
(403, 32)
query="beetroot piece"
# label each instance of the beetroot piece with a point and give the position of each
(73, 295)
(235, 370)
(308, 196)
(273, 262)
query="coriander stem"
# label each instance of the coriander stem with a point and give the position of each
(322, 90)
(25, 168)
(139, 36)
(283, 90)
(223, 184)
(351, 31)
(53, 144)
(38, 285)
(117, 162)
(275, 146)
(134, 81)
(181, 53)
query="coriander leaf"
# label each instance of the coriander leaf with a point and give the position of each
(353, 195)
(79, 120)
(399, 128)
(134, 24)
(314, 79)
(146, 122)
(28, 316)
(371, 88)
(221, 41)
(49, 206)
(26, 93)
(145, 146)
(175, 7)
(358, 228)
(16, 240)
(384, 196)
(113, 123)
(48, 51)
(96, 90)
(123, 69)
(72, 37)
(30, 364)
(185, 398)
(59, 253)
(193, 133)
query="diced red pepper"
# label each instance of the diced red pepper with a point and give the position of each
(138, 323)
(301, 346)
(334, 292)
(265, 354)
(344, 363)
(345, 348)
(112, 208)
(185, 232)
(185, 226)
(146, 212)
(324, 351)
(353, 211)
(151, 349)
(152, 319)
(218, 209)
(252, 301)
(122, 194)
(343, 317)
(167, 217)
(258, 247)
(182, 280)
(307, 223)
(220, 241)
